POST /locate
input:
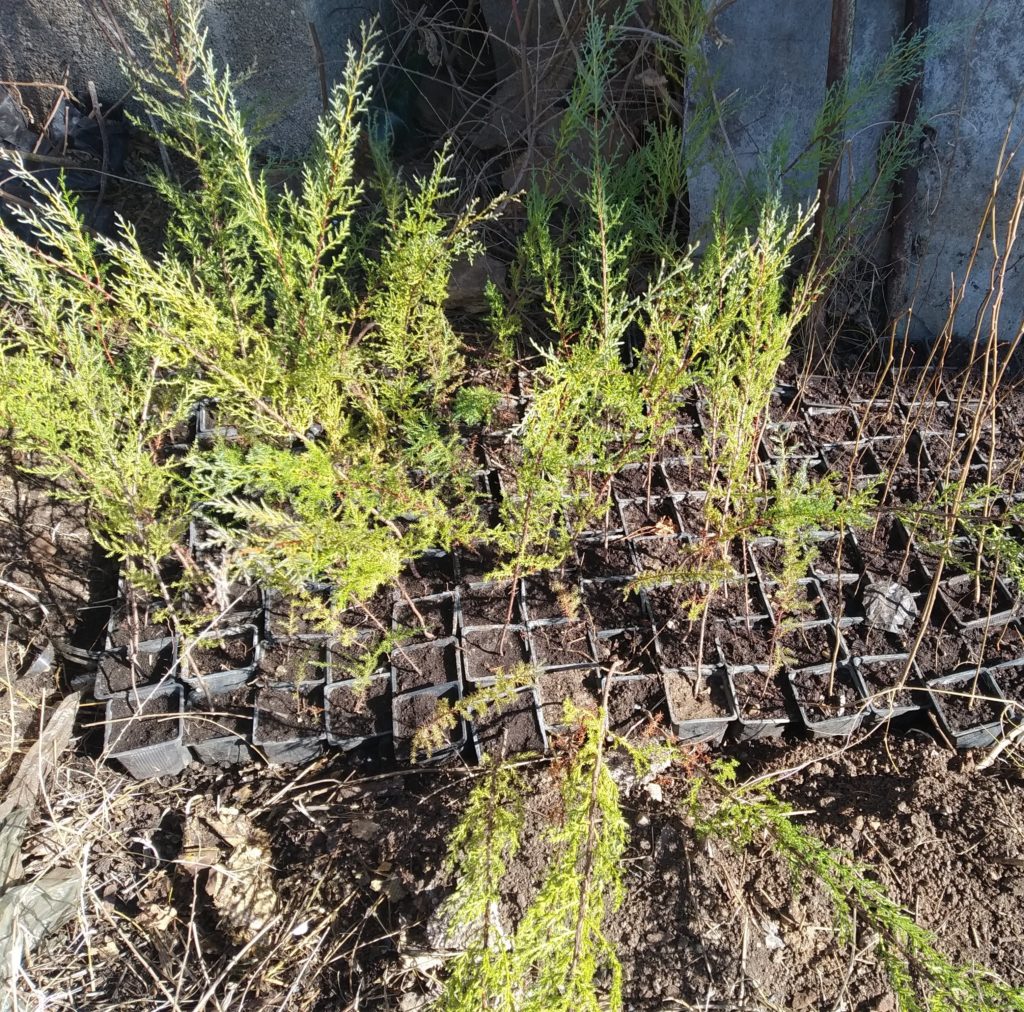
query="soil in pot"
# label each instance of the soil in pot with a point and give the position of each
(689, 701)
(881, 679)
(946, 647)
(354, 714)
(138, 723)
(476, 564)
(806, 646)
(433, 573)
(416, 710)
(611, 605)
(759, 696)
(579, 685)
(826, 426)
(219, 715)
(883, 552)
(288, 712)
(826, 696)
(863, 640)
(486, 652)
(969, 703)
(349, 655)
(634, 703)
(972, 598)
(128, 632)
(297, 661)
(792, 439)
(488, 604)
(637, 481)
(419, 667)
(285, 617)
(692, 514)
(838, 558)
(552, 595)
(561, 644)
(373, 614)
(648, 518)
(744, 643)
(425, 619)
(689, 473)
(1011, 682)
(654, 555)
(605, 558)
(679, 641)
(808, 603)
(120, 672)
(631, 649)
(509, 728)
(207, 656)
(843, 600)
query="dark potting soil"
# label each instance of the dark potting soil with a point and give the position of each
(579, 685)
(488, 651)
(296, 661)
(119, 673)
(354, 714)
(510, 728)
(127, 632)
(637, 481)
(284, 713)
(219, 715)
(863, 640)
(428, 575)
(807, 603)
(946, 647)
(414, 711)
(971, 598)
(419, 667)
(611, 605)
(969, 703)
(636, 702)
(688, 473)
(828, 695)
(374, 614)
(605, 558)
(551, 595)
(745, 642)
(631, 649)
(882, 678)
(425, 619)
(347, 656)
(1011, 682)
(806, 646)
(488, 604)
(690, 700)
(284, 618)
(561, 644)
(852, 460)
(837, 557)
(475, 565)
(692, 514)
(759, 696)
(679, 641)
(883, 552)
(843, 599)
(839, 426)
(139, 723)
(685, 440)
(645, 518)
(654, 555)
(209, 656)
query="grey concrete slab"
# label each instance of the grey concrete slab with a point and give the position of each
(42, 40)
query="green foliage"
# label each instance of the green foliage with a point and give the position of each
(923, 979)
(553, 960)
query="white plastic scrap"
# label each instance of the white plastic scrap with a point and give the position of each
(889, 606)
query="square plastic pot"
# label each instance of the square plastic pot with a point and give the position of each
(299, 743)
(510, 728)
(347, 658)
(634, 701)
(562, 644)
(949, 695)
(413, 710)
(611, 607)
(424, 619)
(851, 711)
(283, 622)
(993, 591)
(358, 713)
(162, 758)
(205, 716)
(483, 652)
(820, 633)
(749, 724)
(238, 652)
(425, 665)
(880, 697)
(118, 671)
(686, 720)
(487, 603)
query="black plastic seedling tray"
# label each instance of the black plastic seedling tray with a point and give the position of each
(969, 707)
(288, 724)
(218, 718)
(144, 731)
